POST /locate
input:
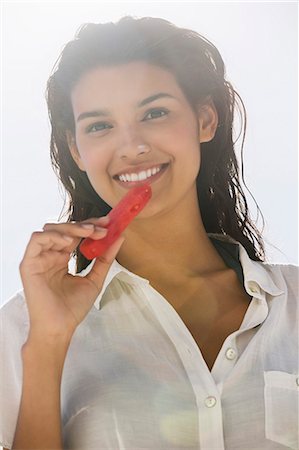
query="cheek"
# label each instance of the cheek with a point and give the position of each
(92, 159)
(96, 165)
(186, 144)
(186, 131)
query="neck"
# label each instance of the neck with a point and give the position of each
(172, 246)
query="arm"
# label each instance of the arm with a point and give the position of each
(57, 303)
(39, 420)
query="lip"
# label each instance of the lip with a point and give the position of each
(150, 180)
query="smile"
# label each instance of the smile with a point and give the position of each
(149, 175)
(142, 175)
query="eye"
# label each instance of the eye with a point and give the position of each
(156, 113)
(98, 126)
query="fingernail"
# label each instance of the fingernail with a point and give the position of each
(103, 230)
(87, 226)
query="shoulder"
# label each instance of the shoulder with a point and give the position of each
(14, 317)
(286, 276)
(14, 326)
(14, 304)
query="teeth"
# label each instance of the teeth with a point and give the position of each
(143, 175)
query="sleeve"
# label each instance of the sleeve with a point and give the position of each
(14, 327)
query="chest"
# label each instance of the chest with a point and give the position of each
(210, 336)
(212, 318)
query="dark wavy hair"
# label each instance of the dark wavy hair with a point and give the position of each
(200, 72)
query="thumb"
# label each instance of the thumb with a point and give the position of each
(102, 264)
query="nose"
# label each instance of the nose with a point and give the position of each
(134, 151)
(133, 146)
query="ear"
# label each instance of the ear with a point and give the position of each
(207, 120)
(71, 141)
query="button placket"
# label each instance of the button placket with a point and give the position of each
(226, 359)
(211, 421)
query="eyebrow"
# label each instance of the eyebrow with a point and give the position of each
(154, 97)
(105, 112)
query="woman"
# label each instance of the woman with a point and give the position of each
(179, 335)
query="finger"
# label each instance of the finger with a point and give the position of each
(98, 221)
(102, 264)
(101, 221)
(43, 241)
(100, 226)
(45, 263)
(95, 230)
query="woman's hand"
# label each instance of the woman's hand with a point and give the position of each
(58, 301)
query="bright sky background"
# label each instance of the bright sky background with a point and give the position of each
(258, 42)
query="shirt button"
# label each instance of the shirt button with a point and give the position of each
(230, 353)
(210, 402)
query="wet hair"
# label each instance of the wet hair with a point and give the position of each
(199, 70)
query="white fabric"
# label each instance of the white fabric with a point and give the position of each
(134, 377)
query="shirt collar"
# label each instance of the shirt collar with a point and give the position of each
(116, 270)
(256, 275)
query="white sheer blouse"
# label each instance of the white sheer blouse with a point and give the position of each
(134, 377)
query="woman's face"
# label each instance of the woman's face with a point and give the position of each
(133, 118)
